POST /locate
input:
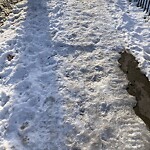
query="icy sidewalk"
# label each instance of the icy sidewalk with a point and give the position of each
(61, 87)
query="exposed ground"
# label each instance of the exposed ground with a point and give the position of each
(139, 86)
(6, 7)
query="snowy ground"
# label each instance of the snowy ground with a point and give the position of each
(61, 87)
(134, 24)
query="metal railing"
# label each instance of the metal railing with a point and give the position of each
(145, 4)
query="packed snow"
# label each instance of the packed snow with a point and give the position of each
(60, 83)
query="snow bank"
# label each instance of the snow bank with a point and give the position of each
(134, 25)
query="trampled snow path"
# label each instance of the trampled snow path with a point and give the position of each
(61, 87)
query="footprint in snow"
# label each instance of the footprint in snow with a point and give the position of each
(3, 99)
(19, 74)
(18, 117)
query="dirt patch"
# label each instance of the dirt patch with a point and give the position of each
(139, 86)
(5, 8)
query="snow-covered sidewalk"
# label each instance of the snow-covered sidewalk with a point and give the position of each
(61, 87)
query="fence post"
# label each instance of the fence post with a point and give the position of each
(145, 4)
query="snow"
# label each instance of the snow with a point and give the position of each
(61, 87)
(134, 24)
